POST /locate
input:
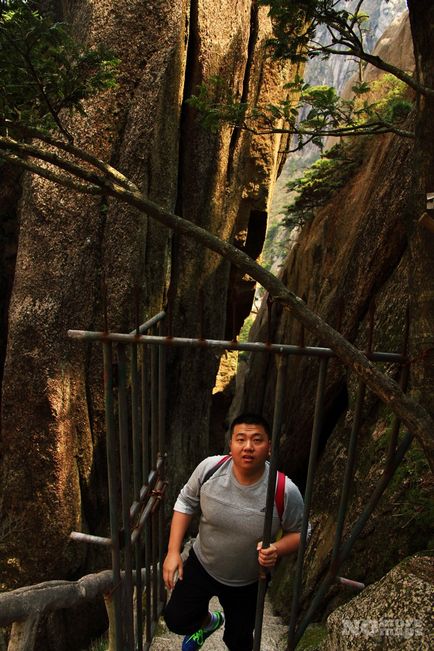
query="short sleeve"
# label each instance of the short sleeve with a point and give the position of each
(294, 507)
(188, 500)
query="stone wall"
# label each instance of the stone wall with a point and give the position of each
(52, 443)
(52, 476)
(355, 255)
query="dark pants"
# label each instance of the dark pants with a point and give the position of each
(188, 606)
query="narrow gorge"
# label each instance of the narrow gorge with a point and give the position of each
(67, 260)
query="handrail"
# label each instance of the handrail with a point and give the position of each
(28, 601)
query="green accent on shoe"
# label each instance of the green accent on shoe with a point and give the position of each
(196, 641)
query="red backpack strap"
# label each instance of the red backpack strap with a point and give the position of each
(279, 496)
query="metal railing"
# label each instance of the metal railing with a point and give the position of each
(134, 394)
(341, 549)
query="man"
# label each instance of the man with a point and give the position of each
(224, 559)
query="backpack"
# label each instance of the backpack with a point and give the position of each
(280, 488)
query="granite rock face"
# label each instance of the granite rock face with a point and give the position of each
(52, 476)
(395, 613)
(353, 264)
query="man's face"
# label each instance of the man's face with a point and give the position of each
(250, 447)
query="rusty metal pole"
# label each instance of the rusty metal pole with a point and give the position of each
(125, 491)
(272, 472)
(112, 473)
(316, 431)
(154, 452)
(154, 405)
(137, 483)
(250, 346)
(145, 413)
(148, 580)
(161, 449)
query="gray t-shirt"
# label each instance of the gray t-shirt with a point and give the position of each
(232, 519)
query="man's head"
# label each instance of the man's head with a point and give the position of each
(251, 419)
(250, 446)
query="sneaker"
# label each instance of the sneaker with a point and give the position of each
(195, 641)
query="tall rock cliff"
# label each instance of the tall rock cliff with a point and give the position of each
(52, 443)
(358, 251)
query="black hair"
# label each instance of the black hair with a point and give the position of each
(251, 419)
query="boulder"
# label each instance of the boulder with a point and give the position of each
(394, 613)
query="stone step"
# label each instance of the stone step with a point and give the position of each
(274, 634)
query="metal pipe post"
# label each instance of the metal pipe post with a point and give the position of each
(112, 474)
(316, 431)
(271, 491)
(149, 324)
(125, 491)
(155, 581)
(154, 405)
(145, 414)
(148, 588)
(137, 483)
(161, 448)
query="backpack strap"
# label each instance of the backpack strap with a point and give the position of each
(214, 469)
(279, 497)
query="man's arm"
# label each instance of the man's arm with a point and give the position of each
(287, 544)
(173, 561)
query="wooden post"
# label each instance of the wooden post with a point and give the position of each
(109, 606)
(23, 634)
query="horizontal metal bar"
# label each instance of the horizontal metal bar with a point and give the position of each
(148, 324)
(352, 584)
(250, 346)
(88, 538)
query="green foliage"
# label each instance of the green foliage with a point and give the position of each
(393, 106)
(314, 635)
(295, 25)
(43, 70)
(413, 476)
(99, 645)
(245, 329)
(321, 180)
(217, 105)
(334, 168)
(325, 112)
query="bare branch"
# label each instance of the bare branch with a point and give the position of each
(370, 129)
(61, 179)
(70, 148)
(413, 415)
(22, 149)
(355, 12)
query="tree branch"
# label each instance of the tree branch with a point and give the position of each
(378, 62)
(24, 150)
(61, 179)
(413, 415)
(69, 147)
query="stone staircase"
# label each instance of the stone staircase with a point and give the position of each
(274, 634)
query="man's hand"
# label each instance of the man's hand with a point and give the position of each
(267, 557)
(172, 564)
